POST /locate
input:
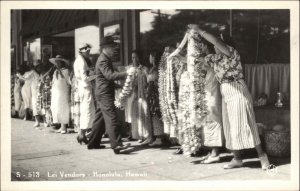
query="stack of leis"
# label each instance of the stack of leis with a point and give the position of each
(193, 106)
(162, 80)
(126, 91)
(191, 141)
(171, 95)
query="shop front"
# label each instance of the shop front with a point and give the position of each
(262, 38)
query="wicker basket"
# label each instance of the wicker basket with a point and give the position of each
(277, 143)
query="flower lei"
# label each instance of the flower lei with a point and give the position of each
(126, 91)
(162, 80)
(192, 102)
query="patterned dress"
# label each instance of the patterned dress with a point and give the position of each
(239, 124)
(44, 99)
(153, 101)
(141, 127)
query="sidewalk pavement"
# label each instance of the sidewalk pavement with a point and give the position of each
(38, 155)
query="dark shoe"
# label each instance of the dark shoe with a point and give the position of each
(81, 138)
(95, 147)
(156, 143)
(147, 142)
(119, 148)
(179, 151)
(127, 139)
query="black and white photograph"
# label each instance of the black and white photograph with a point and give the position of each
(150, 96)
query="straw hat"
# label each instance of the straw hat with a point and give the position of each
(58, 58)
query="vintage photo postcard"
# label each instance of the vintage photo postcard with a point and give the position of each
(149, 95)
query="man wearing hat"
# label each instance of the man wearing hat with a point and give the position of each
(105, 94)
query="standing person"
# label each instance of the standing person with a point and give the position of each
(238, 116)
(138, 108)
(44, 96)
(87, 107)
(105, 94)
(75, 104)
(131, 109)
(29, 92)
(60, 105)
(17, 91)
(153, 100)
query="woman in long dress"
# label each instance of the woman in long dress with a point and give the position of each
(153, 101)
(60, 100)
(239, 124)
(83, 77)
(199, 116)
(140, 113)
(44, 96)
(29, 93)
(17, 94)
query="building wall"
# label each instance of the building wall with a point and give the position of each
(129, 27)
(16, 39)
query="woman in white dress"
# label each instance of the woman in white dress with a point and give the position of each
(17, 92)
(29, 93)
(60, 100)
(140, 113)
(84, 84)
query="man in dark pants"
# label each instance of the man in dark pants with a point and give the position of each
(106, 114)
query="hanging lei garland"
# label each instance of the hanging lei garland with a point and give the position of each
(162, 81)
(126, 91)
(192, 103)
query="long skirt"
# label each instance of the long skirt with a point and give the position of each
(212, 131)
(128, 109)
(239, 124)
(26, 95)
(134, 119)
(144, 119)
(87, 108)
(17, 96)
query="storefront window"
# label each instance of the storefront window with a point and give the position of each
(261, 36)
(161, 28)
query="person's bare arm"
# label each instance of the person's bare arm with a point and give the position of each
(180, 47)
(212, 39)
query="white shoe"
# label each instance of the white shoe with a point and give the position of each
(36, 125)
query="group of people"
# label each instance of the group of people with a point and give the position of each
(205, 102)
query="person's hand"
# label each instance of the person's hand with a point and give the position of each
(131, 70)
(193, 26)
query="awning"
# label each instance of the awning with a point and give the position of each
(38, 23)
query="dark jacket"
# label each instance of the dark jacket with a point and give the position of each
(106, 76)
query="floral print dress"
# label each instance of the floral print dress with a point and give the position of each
(238, 117)
(153, 100)
(44, 99)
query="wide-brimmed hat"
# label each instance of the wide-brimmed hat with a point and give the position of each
(58, 58)
(108, 41)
